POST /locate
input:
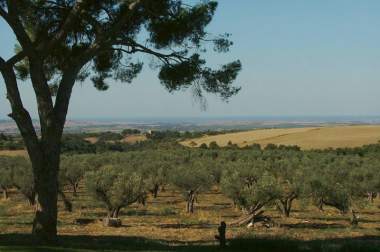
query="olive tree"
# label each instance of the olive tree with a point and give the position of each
(337, 183)
(370, 175)
(191, 178)
(6, 175)
(289, 174)
(62, 42)
(23, 179)
(156, 173)
(251, 186)
(72, 172)
(115, 187)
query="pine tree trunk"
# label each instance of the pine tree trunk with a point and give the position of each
(43, 148)
(46, 186)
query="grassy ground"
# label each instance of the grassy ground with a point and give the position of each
(306, 138)
(163, 225)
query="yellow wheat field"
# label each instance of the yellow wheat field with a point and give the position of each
(13, 153)
(306, 138)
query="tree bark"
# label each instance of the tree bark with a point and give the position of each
(5, 193)
(371, 196)
(190, 202)
(354, 221)
(285, 205)
(66, 202)
(112, 219)
(32, 199)
(155, 190)
(46, 185)
(75, 187)
(113, 212)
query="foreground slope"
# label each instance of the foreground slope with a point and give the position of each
(306, 138)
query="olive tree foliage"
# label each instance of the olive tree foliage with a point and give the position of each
(64, 41)
(115, 187)
(191, 178)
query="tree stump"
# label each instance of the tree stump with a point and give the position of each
(222, 234)
(112, 222)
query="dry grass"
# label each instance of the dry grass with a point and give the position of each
(92, 140)
(13, 153)
(164, 219)
(306, 138)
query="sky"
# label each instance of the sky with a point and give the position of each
(300, 58)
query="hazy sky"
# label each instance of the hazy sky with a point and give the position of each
(300, 57)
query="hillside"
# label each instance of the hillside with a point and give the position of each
(306, 138)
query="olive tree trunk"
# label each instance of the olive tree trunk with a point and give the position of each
(190, 201)
(155, 190)
(31, 199)
(75, 189)
(5, 193)
(114, 212)
(285, 205)
(354, 219)
(66, 202)
(112, 219)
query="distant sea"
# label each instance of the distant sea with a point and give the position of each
(205, 119)
(200, 123)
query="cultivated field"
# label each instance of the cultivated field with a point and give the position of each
(130, 139)
(306, 138)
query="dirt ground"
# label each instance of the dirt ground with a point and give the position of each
(164, 218)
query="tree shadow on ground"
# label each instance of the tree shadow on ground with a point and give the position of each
(24, 242)
(194, 226)
(325, 218)
(313, 225)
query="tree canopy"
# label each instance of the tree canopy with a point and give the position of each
(107, 36)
